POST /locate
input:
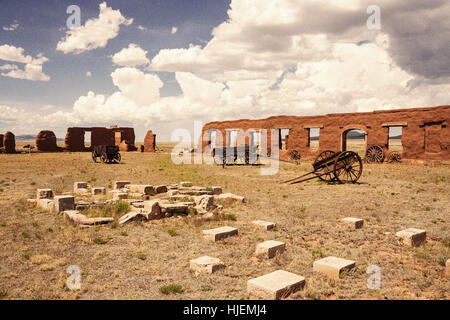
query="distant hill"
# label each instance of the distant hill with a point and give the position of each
(357, 135)
(30, 137)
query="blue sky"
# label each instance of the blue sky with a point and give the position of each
(166, 65)
(42, 25)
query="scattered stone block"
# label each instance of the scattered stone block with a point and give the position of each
(270, 248)
(81, 219)
(47, 204)
(229, 197)
(216, 190)
(275, 285)
(120, 196)
(63, 203)
(219, 233)
(204, 204)
(171, 208)
(120, 184)
(357, 223)
(44, 194)
(206, 265)
(332, 266)
(82, 205)
(264, 224)
(32, 200)
(98, 191)
(141, 188)
(412, 237)
(173, 192)
(153, 208)
(80, 187)
(161, 189)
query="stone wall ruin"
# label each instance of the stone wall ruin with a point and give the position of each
(425, 132)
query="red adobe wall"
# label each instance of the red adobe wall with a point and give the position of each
(8, 144)
(150, 142)
(425, 133)
(46, 141)
(123, 137)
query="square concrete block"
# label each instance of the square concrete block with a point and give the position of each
(44, 194)
(357, 223)
(276, 285)
(219, 233)
(161, 189)
(412, 237)
(120, 196)
(98, 191)
(120, 184)
(206, 265)
(47, 204)
(141, 188)
(270, 248)
(80, 187)
(332, 266)
(63, 203)
(264, 224)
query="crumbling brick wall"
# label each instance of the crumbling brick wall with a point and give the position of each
(122, 137)
(46, 141)
(8, 144)
(150, 142)
(425, 131)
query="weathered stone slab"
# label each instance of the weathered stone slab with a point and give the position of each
(216, 190)
(171, 208)
(140, 215)
(205, 265)
(412, 237)
(120, 196)
(161, 189)
(63, 203)
(32, 200)
(44, 194)
(219, 233)
(153, 208)
(80, 187)
(47, 204)
(333, 266)
(141, 188)
(275, 285)
(98, 191)
(270, 248)
(81, 219)
(204, 204)
(120, 184)
(264, 224)
(229, 197)
(357, 223)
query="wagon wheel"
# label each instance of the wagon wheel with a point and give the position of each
(395, 157)
(94, 156)
(118, 157)
(328, 177)
(295, 155)
(348, 167)
(374, 154)
(104, 158)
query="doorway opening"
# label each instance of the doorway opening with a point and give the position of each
(354, 140)
(313, 138)
(395, 139)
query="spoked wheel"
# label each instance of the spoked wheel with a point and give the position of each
(295, 155)
(348, 167)
(394, 157)
(328, 170)
(104, 158)
(118, 157)
(94, 156)
(374, 154)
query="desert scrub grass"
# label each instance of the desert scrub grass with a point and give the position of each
(172, 232)
(442, 261)
(186, 199)
(26, 235)
(187, 185)
(317, 253)
(141, 256)
(99, 241)
(171, 289)
(209, 189)
(3, 293)
(121, 207)
(124, 234)
(229, 216)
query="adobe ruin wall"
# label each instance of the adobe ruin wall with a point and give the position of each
(425, 131)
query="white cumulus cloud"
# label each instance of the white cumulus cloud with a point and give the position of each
(33, 66)
(131, 57)
(95, 33)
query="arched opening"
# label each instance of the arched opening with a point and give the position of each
(354, 140)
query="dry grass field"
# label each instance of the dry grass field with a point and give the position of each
(133, 261)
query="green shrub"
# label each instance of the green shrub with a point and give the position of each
(99, 241)
(171, 288)
(122, 206)
(187, 185)
(172, 232)
(229, 216)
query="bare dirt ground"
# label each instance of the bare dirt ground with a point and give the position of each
(135, 260)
